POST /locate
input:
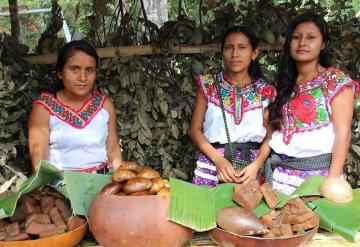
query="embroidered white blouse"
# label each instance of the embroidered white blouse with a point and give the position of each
(77, 138)
(244, 106)
(307, 128)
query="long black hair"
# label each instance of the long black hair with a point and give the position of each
(254, 69)
(67, 51)
(287, 74)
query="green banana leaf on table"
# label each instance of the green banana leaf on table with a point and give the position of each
(197, 206)
(80, 188)
(46, 174)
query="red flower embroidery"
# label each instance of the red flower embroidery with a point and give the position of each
(303, 107)
(268, 92)
(331, 84)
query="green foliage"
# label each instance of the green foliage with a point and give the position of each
(154, 95)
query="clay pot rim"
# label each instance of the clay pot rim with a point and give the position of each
(315, 229)
(25, 242)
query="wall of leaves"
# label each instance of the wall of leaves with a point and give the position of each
(154, 95)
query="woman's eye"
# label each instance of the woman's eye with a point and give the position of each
(296, 37)
(90, 70)
(311, 37)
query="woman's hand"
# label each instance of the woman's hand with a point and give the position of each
(225, 171)
(249, 172)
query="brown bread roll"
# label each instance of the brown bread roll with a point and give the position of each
(158, 184)
(141, 193)
(163, 192)
(148, 173)
(111, 188)
(129, 165)
(137, 184)
(123, 175)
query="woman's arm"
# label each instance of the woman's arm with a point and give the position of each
(39, 135)
(112, 142)
(251, 170)
(342, 108)
(225, 170)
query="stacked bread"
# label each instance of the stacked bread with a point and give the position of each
(132, 180)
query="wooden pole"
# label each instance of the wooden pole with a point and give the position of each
(122, 51)
(14, 20)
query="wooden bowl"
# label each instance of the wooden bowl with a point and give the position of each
(135, 221)
(67, 239)
(229, 239)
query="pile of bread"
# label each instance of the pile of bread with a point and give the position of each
(133, 180)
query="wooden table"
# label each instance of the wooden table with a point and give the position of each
(324, 239)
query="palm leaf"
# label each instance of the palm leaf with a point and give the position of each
(82, 188)
(45, 174)
(343, 219)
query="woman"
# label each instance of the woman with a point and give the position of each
(75, 128)
(313, 112)
(244, 96)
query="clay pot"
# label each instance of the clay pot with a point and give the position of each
(225, 238)
(135, 221)
(67, 239)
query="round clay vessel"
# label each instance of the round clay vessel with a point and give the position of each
(67, 239)
(135, 221)
(228, 239)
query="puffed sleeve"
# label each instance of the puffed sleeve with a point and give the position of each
(206, 85)
(268, 94)
(337, 81)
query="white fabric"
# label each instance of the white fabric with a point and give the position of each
(73, 149)
(305, 144)
(250, 129)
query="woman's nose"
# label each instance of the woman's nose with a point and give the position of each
(82, 75)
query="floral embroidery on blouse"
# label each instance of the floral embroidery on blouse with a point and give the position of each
(78, 119)
(309, 107)
(237, 99)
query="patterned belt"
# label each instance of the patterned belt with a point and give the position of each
(313, 163)
(95, 168)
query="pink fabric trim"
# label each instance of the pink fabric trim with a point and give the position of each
(343, 87)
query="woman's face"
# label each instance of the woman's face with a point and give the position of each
(306, 42)
(79, 73)
(238, 52)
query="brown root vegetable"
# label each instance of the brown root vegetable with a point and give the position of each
(123, 175)
(336, 190)
(148, 173)
(240, 221)
(137, 184)
(111, 188)
(163, 192)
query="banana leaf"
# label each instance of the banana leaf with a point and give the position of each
(343, 219)
(263, 208)
(45, 175)
(197, 206)
(310, 187)
(191, 205)
(82, 188)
